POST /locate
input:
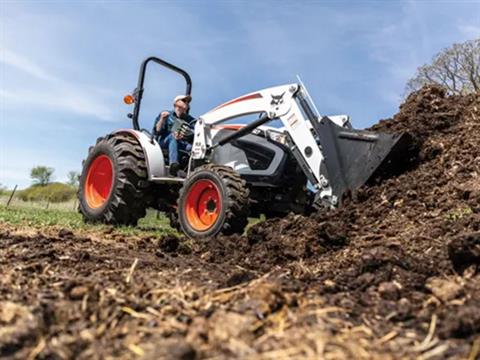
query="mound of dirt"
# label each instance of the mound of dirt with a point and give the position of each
(375, 255)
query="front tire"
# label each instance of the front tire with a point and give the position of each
(110, 188)
(213, 200)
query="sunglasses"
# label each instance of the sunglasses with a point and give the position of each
(181, 105)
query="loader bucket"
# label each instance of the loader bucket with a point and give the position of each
(353, 157)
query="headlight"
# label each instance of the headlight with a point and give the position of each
(276, 136)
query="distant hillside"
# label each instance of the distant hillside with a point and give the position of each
(54, 192)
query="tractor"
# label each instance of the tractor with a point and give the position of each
(234, 171)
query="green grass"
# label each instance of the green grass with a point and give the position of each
(39, 214)
(38, 217)
(457, 214)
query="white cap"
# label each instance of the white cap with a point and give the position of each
(184, 98)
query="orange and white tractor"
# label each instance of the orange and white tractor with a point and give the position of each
(233, 171)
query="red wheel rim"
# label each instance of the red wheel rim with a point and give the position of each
(203, 205)
(99, 181)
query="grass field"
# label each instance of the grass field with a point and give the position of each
(42, 214)
(43, 204)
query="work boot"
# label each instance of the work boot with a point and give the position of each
(174, 167)
(181, 174)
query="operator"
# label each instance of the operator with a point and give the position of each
(171, 139)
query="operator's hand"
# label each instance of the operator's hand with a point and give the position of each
(163, 116)
(178, 135)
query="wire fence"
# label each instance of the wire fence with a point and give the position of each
(16, 202)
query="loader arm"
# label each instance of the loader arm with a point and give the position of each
(277, 103)
(334, 157)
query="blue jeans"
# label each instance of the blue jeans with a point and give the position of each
(173, 145)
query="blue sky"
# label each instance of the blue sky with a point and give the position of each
(66, 65)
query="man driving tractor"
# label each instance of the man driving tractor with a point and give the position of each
(173, 130)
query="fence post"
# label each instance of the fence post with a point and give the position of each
(11, 195)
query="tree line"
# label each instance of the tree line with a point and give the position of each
(43, 175)
(456, 68)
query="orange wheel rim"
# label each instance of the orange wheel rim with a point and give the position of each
(99, 181)
(203, 205)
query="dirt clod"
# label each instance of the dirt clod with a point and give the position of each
(464, 251)
(64, 233)
(18, 328)
(78, 292)
(169, 243)
(389, 290)
(444, 289)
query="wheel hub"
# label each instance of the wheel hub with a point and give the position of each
(99, 182)
(203, 205)
(211, 205)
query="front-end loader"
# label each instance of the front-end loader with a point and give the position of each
(233, 171)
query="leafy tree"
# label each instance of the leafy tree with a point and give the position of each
(456, 68)
(73, 178)
(41, 175)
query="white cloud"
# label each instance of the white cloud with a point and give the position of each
(61, 100)
(22, 63)
(56, 94)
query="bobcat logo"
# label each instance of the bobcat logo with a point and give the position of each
(277, 99)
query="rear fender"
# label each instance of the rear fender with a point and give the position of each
(153, 153)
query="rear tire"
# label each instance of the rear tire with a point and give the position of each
(110, 188)
(213, 200)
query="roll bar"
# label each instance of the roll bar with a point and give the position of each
(138, 92)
